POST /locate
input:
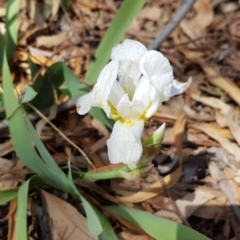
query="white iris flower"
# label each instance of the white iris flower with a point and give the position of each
(130, 89)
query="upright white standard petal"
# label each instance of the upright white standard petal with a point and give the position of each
(128, 50)
(158, 70)
(128, 54)
(149, 99)
(124, 145)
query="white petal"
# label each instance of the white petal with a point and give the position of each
(128, 50)
(129, 75)
(130, 110)
(128, 54)
(85, 102)
(124, 145)
(116, 93)
(104, 85)
(178, 87)
(158, 70)
(155, 102)
(147, 94)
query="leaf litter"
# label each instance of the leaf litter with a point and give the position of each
(202, 130)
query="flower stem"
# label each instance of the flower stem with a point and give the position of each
(102, 175)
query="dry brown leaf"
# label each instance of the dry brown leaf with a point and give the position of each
(225, 84)
(150, 13)
(130, 235)
(201, 116)
(6, 164)
(214, 103)
(220, 176)
(234, 128)
(169, 215)
(230, 147)
(12, 217)
(51, 41)
(196, 26)
(6, 148)
(190, 202)
(66, 222)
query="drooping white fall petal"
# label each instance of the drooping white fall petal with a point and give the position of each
(124, 144)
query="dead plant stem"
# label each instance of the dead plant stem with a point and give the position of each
(62, 134)
(174, 205)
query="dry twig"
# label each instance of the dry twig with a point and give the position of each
(62, 134)
(163, 35)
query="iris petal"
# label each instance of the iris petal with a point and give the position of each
(124, 145)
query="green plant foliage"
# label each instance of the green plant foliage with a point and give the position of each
(108, 232)
(8, 195)
(29, 94)
(157, 227)
(94, 224)
(101, 116)
(114, 34)
(23, 139)
(44, 86)
(12, 26)
(73, 87)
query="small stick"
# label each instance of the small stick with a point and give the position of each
(174, 205)
(164, 34)
(62, 134)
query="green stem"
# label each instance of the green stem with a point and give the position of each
(102, 176)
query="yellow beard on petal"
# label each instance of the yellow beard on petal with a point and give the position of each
(116, 117)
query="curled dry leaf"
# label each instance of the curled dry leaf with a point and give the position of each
(202, 116)
(66, 222)
(214, 103)
(230, 147)
(190, 202)
(51, 41)
(234, 128)
(227, 85)
(12, 217)
(196, 26)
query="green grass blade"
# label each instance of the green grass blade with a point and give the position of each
(12, 26)
(114, 34)
(94, 224)
(8, 195)
(157, 227)
(108, 232)
(21, 223)
(22, 211)
(46, 156)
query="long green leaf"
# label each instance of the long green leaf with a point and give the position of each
(114, 34)
(8, 195)
(22, 211)
(18, 129)
(46, 156)
(59, 72)
(108, 232)
(94, 224)
(157, 227)
(12, 26)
